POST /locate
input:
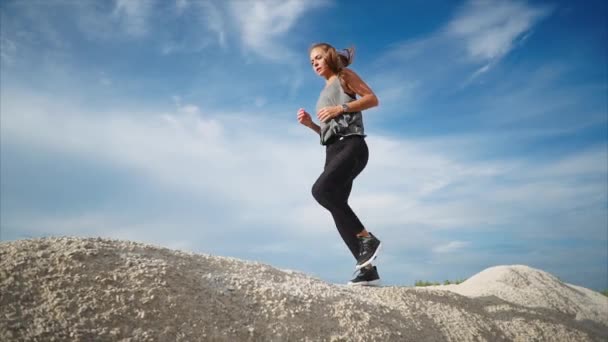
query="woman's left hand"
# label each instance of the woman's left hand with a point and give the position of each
(328, 113)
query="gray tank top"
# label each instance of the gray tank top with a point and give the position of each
(342, 125)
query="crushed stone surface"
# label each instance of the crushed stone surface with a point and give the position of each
(529, 287)
(92, 289)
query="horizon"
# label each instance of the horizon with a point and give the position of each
(174, 123)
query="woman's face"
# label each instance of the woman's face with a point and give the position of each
(318, 63)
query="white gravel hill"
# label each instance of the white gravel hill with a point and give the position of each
(73, 289)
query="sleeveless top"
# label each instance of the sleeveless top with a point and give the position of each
(343, 125)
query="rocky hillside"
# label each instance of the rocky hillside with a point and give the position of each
(69, 289)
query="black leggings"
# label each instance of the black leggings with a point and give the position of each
(344, 160)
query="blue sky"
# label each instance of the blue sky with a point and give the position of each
(174, 123)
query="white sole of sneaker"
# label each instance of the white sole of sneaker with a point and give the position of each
(365, 283)
(358, 267)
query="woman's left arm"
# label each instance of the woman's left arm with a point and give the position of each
(367, 99)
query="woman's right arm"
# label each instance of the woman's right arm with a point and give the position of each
(305, 119)
(315, 128)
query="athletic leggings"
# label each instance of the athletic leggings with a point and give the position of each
(344, 160)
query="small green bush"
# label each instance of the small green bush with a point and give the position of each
(428, 283)
(424, 283)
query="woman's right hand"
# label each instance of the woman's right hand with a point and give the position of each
(304, 118)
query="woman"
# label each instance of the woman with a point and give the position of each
(341, 131)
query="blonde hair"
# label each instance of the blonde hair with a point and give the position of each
(336, 60)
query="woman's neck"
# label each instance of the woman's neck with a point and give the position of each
(330, 79)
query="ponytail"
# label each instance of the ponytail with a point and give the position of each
(347, 56)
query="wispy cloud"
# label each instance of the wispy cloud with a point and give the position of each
(7, 50)
(216, 21)
(264, 23)
(472, 43)
(490, 29)
(450, 247)
(27, 29)
(259, 26)
(181, 5)
(186, 144)
(133, 15)
(253, 28)
(409, 182)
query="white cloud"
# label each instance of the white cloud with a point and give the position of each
(181, 5)
(250, 164)
(426, 184)
(27, 30)
(411, 191)
(231, 158)
(104, 79)
(260, 101)
(587, 162)
(108, 225)
(491, 28)
(8, 50)
(260, 25)
(216, 21)
(134, 15)
(264, 22)
(450, 247)
(471, 44)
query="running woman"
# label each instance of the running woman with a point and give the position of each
(341, 132)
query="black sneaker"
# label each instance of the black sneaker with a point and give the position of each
(368, 276)
(369, 247)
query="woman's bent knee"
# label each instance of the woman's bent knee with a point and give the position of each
(317, 192)
(321, 195)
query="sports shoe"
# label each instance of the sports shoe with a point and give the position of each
(368, 276)
(369, 246)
